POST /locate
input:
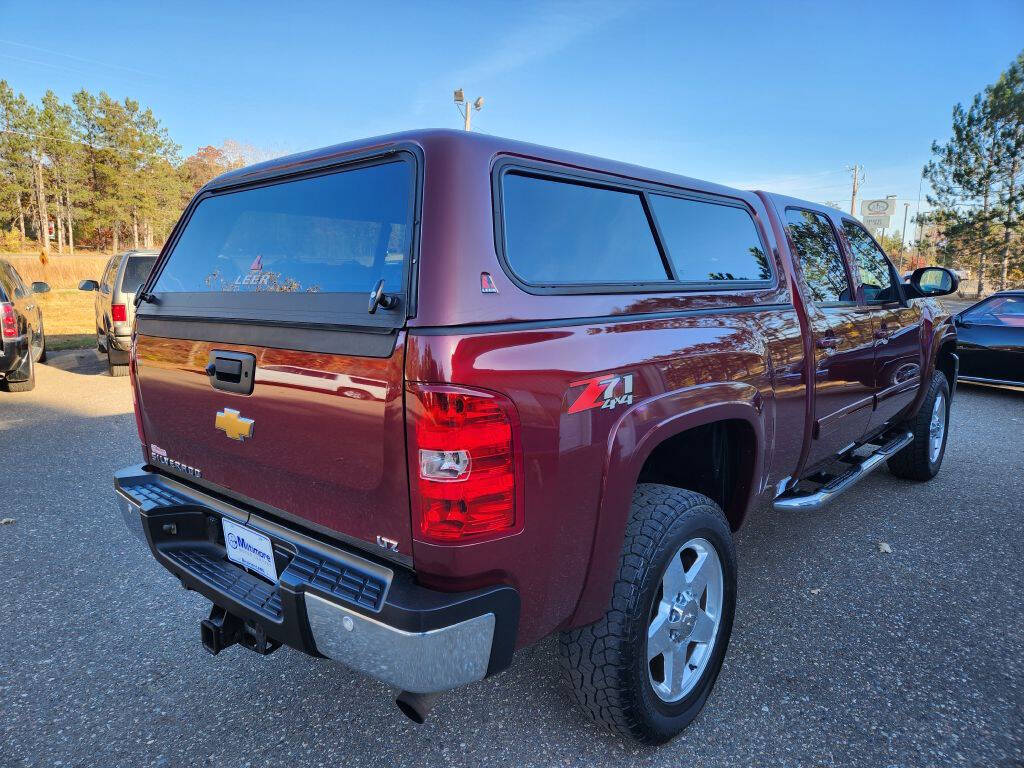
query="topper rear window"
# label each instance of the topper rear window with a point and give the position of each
(335, 233)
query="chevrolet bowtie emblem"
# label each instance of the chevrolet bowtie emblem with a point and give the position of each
(233, 424)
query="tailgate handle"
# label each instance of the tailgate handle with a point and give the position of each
(231, 371)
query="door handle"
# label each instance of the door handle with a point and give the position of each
(827, 342)
(231, 371)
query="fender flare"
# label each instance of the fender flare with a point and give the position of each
(942, 333)
(631, 441)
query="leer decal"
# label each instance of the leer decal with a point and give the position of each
(605, 391)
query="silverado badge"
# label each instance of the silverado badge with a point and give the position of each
(233, 424)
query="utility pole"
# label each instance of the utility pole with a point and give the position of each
(903, 234)
(465, 109)
(858, 177)
(857, 174)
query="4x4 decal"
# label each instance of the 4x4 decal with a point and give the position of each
(604, 391)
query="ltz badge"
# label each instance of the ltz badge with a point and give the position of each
(606, 391)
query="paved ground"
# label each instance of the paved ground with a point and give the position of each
(840, 655)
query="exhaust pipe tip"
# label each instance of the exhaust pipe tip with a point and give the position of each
(416, 706)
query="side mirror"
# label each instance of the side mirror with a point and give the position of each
(88, 285)
(40, 287)
(934, 281)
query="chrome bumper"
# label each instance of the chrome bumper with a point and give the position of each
(421, 662)
(414, 639)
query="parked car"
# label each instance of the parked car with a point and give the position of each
(23, 340)
(589, 373)
(990, 340)
(115, 304)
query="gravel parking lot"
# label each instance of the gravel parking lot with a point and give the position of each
(841, 654)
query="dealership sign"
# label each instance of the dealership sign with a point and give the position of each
(886, 207)
(876, 222)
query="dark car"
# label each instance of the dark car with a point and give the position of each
(414, 402)
(114, 305)
(24, 341)
(990, 340)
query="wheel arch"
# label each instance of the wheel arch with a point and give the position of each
(644, 434)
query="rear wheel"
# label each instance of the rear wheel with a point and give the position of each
(115, 369)
(29, 382)
(922, 458)
(647, 666)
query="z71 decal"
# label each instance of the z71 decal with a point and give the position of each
(605, 391)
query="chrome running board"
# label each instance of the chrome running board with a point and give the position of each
(811, 502)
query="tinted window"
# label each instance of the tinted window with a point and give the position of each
(877, 277)
(999, 310)
(20, 290)
(107, 280)
(707, 241)
(135, 272)
(339, 232)
(6, 282)
(820, 258)
(558, 233)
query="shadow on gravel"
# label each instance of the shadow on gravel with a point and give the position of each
(82, 361)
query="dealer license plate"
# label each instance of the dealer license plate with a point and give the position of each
(249, 549)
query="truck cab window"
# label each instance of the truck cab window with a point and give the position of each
(877, 276)
(820, 258)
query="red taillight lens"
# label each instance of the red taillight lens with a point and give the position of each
(10, 323)
(464, 463)
(119, 313)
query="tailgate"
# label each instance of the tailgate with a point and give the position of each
(280, 271)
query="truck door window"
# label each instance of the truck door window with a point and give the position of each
(877, 275)
(820, 258)
(710, 242)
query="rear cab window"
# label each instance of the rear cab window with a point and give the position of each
(307, 249)
(135, 272)
(581, 236)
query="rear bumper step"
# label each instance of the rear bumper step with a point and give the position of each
(328, 601)
(815, 500)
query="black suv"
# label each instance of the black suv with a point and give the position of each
(24, 343)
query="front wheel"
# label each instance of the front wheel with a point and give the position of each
(921, 459)
(646, 668)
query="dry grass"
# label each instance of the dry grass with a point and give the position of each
(68, 318)
(60, 271)
(67, 312)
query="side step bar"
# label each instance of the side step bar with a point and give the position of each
(812, 502)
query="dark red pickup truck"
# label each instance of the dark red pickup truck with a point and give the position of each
(415, 402)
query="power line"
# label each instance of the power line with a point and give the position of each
(78, 141)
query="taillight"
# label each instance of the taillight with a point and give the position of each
(465, 463)
(10, 323)
(119, 313)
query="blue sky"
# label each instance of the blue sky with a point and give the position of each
(780, 96)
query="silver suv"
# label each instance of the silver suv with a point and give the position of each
(115, 304)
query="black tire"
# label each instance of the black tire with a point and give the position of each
(915, 462)
(100, 339)
(29, 383)
(115, 369)
(605, 663)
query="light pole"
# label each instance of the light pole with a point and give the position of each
(903, 235)
(465, 109)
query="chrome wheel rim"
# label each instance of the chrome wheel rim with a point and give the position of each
(937, 428)
(684, 619)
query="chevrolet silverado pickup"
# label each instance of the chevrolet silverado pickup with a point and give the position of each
(414, 402)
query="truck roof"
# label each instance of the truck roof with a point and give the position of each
(449, 141)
